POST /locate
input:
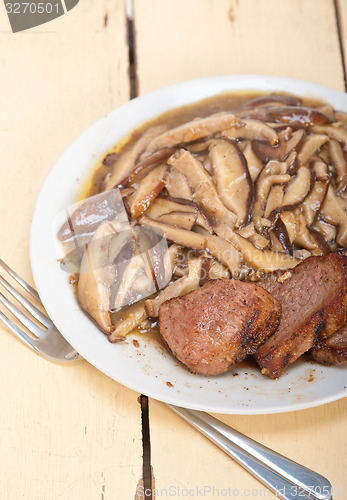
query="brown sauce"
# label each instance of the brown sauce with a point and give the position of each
(225, 101)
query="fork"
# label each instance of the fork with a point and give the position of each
(48, 341)
(285, 478)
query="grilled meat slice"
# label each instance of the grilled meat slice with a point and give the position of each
(217, 325)
(313, 297)
(332, 351)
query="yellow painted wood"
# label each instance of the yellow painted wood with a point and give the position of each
(67, 432)
(342, 14)
(184, 460)
(186, 39)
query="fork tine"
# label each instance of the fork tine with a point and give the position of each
(17, 331)
(20, 280)
(25, 303)
(27, 322)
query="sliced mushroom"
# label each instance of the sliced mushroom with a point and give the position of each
(298, 188)
(126, 320)
(314, 200)
(273, 173)
(265, 152)
(320, 242)
(247, 231)
(311, 144)
(152, 247)
(179, 287)
(272, 100)
(304, 237)
(192, 131)
(93, 212)
(143, 167)
(251, 129)
(295, 192)
(254, 164)
(185, 220)
(177, 185)
(181, 263)
(255, 238)
(222, 250)
(295, 142)
(298, 117)
(328, 231)
(129, 274)
(96, 276)
(232, 179)
(298, 232)
(326, 109)
(265, 260)
(163, 205)
(138, 263)
(259, 241)
(204, 191)
(288, 218)
(171, 257)
(340, 116)
(148, 190)
(216, 270)
(333, 213)
(302, 254)
(336, 132)
(274, 199)
(198, 147)
(127, 159)
(206, 163)
(339, 163)
(292, 163)
(280, 238)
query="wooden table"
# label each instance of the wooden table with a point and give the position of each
(71, 433)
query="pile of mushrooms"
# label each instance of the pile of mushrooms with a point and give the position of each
(233, 194)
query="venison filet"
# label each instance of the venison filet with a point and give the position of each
(313, 297)
(216, 326)
(332, 351)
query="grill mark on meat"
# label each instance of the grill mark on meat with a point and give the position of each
(332, 351)
(286, 360)
(245, 336)
(319, 330)
(218, 325)
(314, 306)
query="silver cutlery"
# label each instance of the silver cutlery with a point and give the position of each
(47, 341)
(285, 478)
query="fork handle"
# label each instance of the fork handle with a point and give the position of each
(287, 479)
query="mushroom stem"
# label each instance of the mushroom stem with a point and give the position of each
(264, 260)
(192, 131)
(179, 287)
(204, 191)
(224, 251)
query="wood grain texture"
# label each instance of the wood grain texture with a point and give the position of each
(187, 39)
(342, 20)
(67, 432)
(183, 459)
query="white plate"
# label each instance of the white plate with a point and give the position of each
(148, 368)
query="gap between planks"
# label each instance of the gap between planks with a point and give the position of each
(340, 37)
(147, 474)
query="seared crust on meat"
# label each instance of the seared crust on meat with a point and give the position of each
(217, 325)
(332, 351)
(314, 306)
